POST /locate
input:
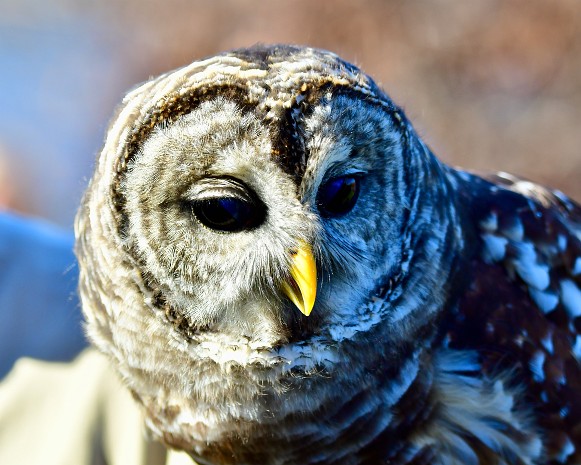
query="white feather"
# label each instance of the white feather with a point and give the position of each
(571, 297)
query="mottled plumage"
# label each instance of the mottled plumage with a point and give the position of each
(446, 326)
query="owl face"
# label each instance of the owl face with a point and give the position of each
(261, 225)
(215, 219)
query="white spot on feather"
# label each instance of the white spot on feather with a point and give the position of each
(566, 450)
(533, 273)
(576, 349)
(577, 267)
(515, 232)
(561, 242)
(571, 298)
(494, 247)
(546, 300)
(547, 342)
(490, 223)
(536, 366)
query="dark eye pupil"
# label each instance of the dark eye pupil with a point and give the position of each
(228, 213)
(338, 196)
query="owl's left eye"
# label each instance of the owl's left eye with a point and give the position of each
(338, 196)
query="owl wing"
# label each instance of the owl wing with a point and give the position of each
(519, 298)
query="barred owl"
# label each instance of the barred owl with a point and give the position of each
(282, 272)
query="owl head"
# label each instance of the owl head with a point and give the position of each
(264, 208)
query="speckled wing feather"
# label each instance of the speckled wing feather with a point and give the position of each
(521, 308)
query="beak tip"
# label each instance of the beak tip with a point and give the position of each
(304, 274)
(306, 311)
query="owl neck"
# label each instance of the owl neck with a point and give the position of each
(433, 409)
(347, 422)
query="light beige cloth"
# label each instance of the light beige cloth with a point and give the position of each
(74, 413)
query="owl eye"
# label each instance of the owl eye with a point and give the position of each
(229, 214)
(338, 196)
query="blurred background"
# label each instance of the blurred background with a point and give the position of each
(493, 85)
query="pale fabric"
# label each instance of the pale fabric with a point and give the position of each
(74, 413)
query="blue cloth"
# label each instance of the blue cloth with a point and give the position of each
(40, 315)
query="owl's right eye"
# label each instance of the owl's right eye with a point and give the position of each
(228, 214)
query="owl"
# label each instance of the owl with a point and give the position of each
(282, 272)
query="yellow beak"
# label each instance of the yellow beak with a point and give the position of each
(302, 288)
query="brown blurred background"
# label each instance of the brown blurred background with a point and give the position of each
(492, 85)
